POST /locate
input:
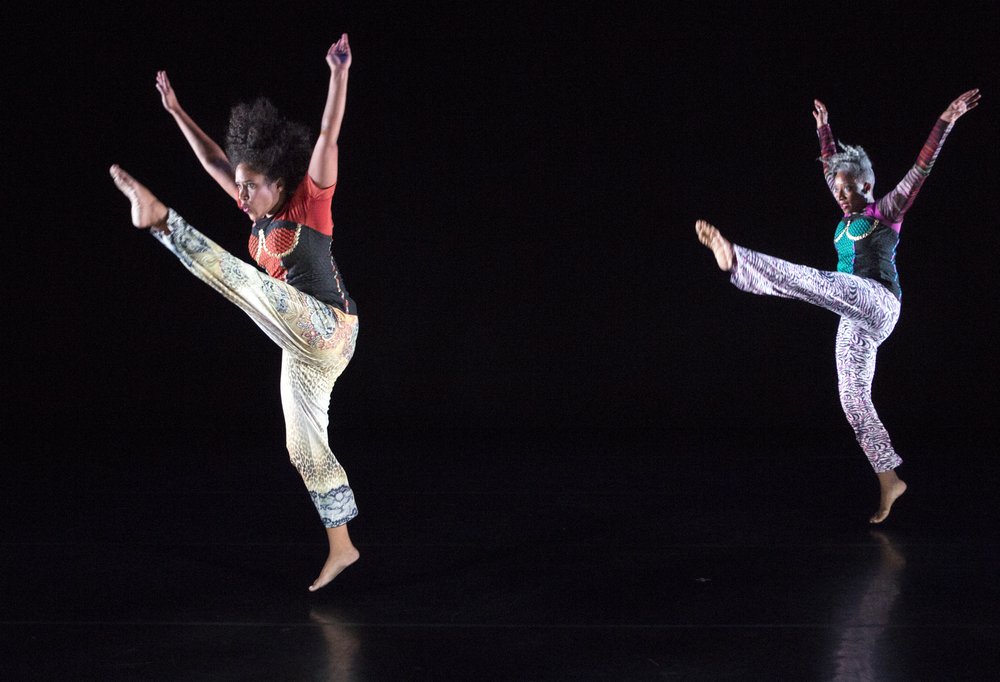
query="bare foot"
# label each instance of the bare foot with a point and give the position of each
(335, 564)
(147, 210)
(710, 236)
(343, 553)
(891, 488)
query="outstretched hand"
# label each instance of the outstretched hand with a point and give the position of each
(820, 114)
(339, 54)
(167, 95)
(965, 102)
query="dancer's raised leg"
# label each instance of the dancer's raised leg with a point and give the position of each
(147, 210)
(710, 236)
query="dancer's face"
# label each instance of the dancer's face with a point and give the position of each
(258, 196)
(852, 195)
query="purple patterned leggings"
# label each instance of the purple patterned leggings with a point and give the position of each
(868, 312)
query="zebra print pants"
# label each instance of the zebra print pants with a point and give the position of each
(868, 312)
(317, 341)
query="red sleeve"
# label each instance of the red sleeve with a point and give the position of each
(310, 205)
(827, 148)
(897, 202)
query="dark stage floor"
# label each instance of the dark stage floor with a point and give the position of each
(499, 557)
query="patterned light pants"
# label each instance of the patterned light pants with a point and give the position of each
(317, 342)
(868, 312)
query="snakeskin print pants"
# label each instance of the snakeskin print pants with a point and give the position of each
(317, 342)
(868, 312)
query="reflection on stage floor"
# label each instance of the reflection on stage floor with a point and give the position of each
(500, 557)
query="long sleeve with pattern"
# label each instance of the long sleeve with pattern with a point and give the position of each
(897, 202)
(827, 148)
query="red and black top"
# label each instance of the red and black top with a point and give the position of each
(294, 246)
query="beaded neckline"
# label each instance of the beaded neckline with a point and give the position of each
(855, 238)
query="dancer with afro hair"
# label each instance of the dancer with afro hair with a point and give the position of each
(284, 182)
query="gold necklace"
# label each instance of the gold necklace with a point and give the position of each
(845, 232)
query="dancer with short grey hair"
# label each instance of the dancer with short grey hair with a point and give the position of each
(864, 290)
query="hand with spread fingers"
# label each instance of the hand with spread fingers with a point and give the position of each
(963, 104)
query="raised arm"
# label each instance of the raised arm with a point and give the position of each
(323, 164)
(898, 201)
(213, 158)
(827, 146)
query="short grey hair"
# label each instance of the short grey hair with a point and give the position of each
(852, 160)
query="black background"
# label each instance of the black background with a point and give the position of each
(519, 184)
(577, 449)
